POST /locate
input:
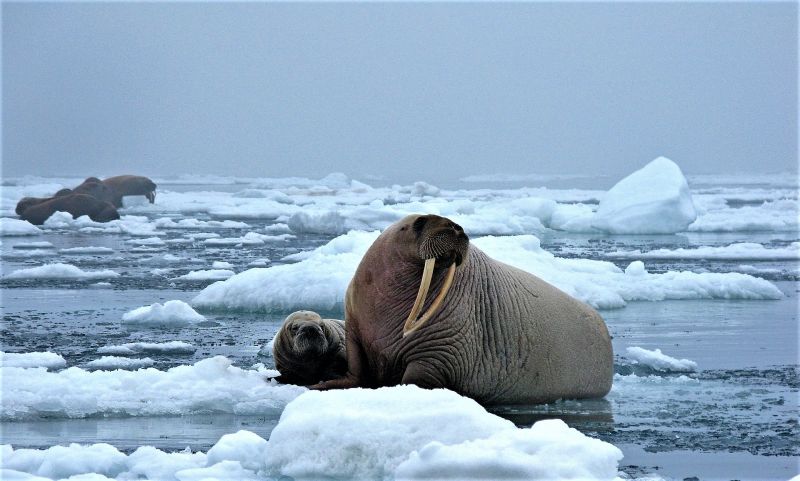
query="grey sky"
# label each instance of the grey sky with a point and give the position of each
(404, 91)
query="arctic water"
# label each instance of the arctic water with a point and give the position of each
(734, 416)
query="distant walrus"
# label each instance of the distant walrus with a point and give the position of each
(97, 189)
(75, 204)
(309, 349)
(131, 185)
(26, 202)
(493, 332)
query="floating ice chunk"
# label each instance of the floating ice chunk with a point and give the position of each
(209, 386)
(779, 215)
(206, 275)
(223, 471)
(367, 433)
(279, 228)
(170, 313)
(60, 271)
(167, 223)
(61, 462)
(221, 265)
(33, 245)
(244, 446)
(738, 251)
(174, 347)
(49, 360)
(251, 238)
(549, 450)
(653, 200)
(659, 361)
(100, 285)
(115, 362)
(148, 241)
(317, 282)
(27, 254)
(16, 227)
(86, 250)
(263, 262)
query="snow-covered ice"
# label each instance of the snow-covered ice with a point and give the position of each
(131, 348)
(660, 361)
(320, 278)
(60, 271)
(206, 275)
(116, 362)
(86, 250)
(173, 313)
(209, 386)
(32, 359)
(15, 227)
(737, 251)
(653, 200)
(33, 245)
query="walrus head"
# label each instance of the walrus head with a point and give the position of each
(436, 242)
(303, 330)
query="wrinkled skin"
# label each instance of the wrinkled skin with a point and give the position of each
(309, 349)
(75, 204)
(123, 185)
(500, 336)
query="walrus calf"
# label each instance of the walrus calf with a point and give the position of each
(492, 332)
(123, 185)
(309, 349)
(75, 204)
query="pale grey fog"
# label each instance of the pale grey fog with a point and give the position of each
(398, 92)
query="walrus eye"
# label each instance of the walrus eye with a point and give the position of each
(419, 224)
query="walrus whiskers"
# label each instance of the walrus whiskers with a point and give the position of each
(412, 324)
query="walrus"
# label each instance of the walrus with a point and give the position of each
(76, 204)
(97, 189)
(309, 349)
(123, 185)
(26, 202)
(492, 332)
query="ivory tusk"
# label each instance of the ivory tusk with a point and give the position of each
(412, 326)
(422, 293)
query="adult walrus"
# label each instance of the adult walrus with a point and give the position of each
(26, 202)
(123, 185)
(97, 189)
(309, 349)
(492, 332)
(76, 204)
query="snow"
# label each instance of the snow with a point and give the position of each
(549, 450)
(737, 251)
(86, 250)
(32, 359)
(16, 227)
(415, 433)
(115, 362)
(206, 275)
(211, 385)
(320, 278)
(130, 348)
(653, 200)
(660, 361)
(171, 313)
(60, 271)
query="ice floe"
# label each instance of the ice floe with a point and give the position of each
(88, 250)
(738, 251)
(171, 313)
(209, 386)
(206, 275)
(15, 227)
(116, 362)
(60, 271)
(32, 359)
(131, 348)
(33, 245)
(659, 361)
(320, 278)
(653, 200)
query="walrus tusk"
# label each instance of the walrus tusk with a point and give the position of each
(412, 324)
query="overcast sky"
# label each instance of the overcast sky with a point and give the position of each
(403, 91)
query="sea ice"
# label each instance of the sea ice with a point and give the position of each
(211, 385)
(660, 361)
(60, 271)
(653, 200)
(206, 275)
(130, 348)
(32, 359)
(33, 245)
(15, 227)
(174, 313)
(737, 251)
(86, 250)
(115, 362)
